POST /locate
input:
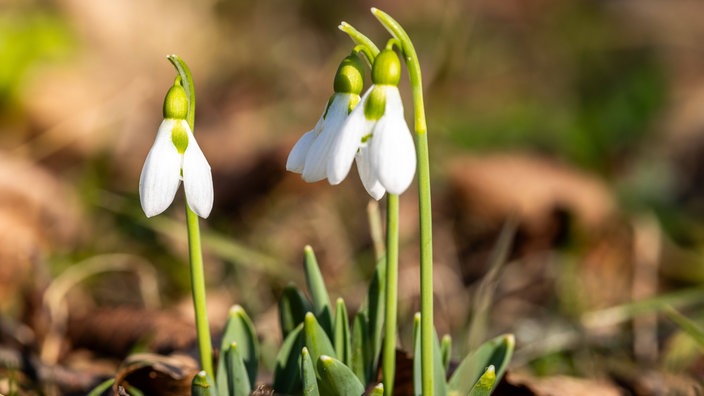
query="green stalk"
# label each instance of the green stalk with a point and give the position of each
(389, 354)
(424, 207)
(194, 246)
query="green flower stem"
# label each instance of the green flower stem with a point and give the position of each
(426, 234)
(205, 346)
(389, 354)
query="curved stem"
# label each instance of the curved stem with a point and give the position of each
(424, 206)
(363, 43)
(194, 245)
(389, 354)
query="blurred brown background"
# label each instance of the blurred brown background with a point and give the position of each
(584, 120)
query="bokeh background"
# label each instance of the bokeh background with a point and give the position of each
(581, 120)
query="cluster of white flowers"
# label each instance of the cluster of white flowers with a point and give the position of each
(374, 134)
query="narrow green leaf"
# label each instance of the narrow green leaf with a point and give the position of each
(239, 329)
(287, 376)
(439, 376)
(308, 377)
(318, 291)
(336, 379)
(317, 340)
(203, 385)
(102, 387)
(343, 346)
(446, 348)
(485, 384)
(496, 352)
(361, 348)
(378, 390)
(293, 306)
(687, 325)
(238, 382)
(375, 310)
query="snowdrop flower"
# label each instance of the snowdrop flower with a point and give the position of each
(310, 154)
(376, 135)
(175, 156)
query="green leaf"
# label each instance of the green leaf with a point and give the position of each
(485, 384)
(336, 379)
(287, 376)
(374, 310)
(102, 387)
(496, 352)
(239, 329)
(378, 390)
(203, 385)
(310, 381)
(293, 306)
(238, 383)
(446, 349)
(361, 348)
(439, 376)
(687, 325)
(318, 291)
(317, 340)
(343, 346)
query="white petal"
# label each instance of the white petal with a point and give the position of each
(161, 172)
(197, 179)
(316, 164)
(391, 149)
(347, 141)
(366, 174)
(297, 156)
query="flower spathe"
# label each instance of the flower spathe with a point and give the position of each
(383, 149)
(175, 156)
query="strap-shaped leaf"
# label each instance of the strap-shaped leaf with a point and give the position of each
(238, 383)
(496, 352)
(343, 346)
(287, 375)
(318, 291)
(378, 390)
(374, 310)
(361, 348)
(446, 348)
(203, 385)
(308, 377)
(293, 306)
(485, 384)
(439, 376)
(336, 379)
(316, 340)
(239, 329)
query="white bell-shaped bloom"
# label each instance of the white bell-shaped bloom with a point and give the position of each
(310, 154)
(382, 145)
(175, 156)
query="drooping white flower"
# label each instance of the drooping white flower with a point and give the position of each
(175, 156)
(310, 154)
(376, 136)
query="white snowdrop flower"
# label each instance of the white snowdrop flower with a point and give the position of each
(175, 156)
(376, 136)
(310, 154)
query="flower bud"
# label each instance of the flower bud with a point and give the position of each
(176, 103)
(350, 76)
(386, 69)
